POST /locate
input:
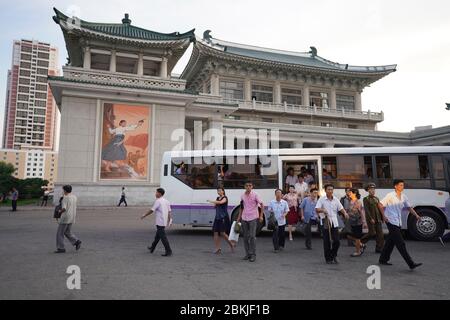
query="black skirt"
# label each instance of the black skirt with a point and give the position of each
(357, 231)
(221, 225)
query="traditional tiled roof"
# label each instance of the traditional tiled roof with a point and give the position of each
(311, 63)
(125, 29)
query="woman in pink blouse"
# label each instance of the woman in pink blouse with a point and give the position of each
(292, 217)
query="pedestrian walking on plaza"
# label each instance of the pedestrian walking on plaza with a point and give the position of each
(123, 198)
(280, 210)
(308, 215)
(250, 213)
(14, 198)
(163, 218)
(391, 208)
(357, 222)
(221, 221)
(293, 216)
(374, 218)
(68, 214)
(301, 187)
(345, 201)
(45, 198)
(328, 207)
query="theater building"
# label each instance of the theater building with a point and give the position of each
(122, 108)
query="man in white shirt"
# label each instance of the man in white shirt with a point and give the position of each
(291, 179)
(328, 208)
(162, 210)
(391, 208)
(68, 213)
(301, 187)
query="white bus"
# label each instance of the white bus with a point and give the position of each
(191, 177)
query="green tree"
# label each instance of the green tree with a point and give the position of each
(7, 180)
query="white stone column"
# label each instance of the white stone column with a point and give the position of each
(333, 98)
(305, 96)
(140, 69)
(113, 61)
(87, 58)
(163, 69)
(358, 104)
(215, 86)
(198, 135)
(247, 89)
(277, 93)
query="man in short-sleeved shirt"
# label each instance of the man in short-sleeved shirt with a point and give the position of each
(249, 215)
(327, 208)
(308, 215)
(391, 208)
(162, 211)
(291, 179)
(280, 209)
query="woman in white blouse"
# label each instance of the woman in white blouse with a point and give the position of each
(115, 150)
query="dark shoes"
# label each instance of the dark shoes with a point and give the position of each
(335, 261)
(383, 263)
(167, 254)
(60, 251)
(77, 245)
(152, 249)
(252, 259)
(415, 265)
(246, 258)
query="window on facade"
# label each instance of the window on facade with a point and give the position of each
(100, 61)
(25, 65)
(22, 97)
(25, 73)
(318, 99)
(232, 90)
(266, 119)
(345, 102)
(24, 89)
(233, 117)
(42, 71)
(126, 64)
(43, 55)
(41, 87)
(297, 122)
(42, 63)
(291, 96)
(325, 124)
(352, 126)
(24, 81)
(151, 68)
(41, 79)
(262, 93)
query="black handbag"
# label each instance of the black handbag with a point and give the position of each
(272, 222)
(57, 212)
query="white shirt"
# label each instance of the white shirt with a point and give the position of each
(393, 207)
(301, 188)
(332, 207)
(161, 208)
(122, 130)
(291, 180)
(69, 203)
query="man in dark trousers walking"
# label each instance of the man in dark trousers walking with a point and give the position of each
(391, 208)
(123, 198)
(162, 210)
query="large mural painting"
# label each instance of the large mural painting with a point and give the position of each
(125, 142)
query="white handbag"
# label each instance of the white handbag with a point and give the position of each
(233, 235)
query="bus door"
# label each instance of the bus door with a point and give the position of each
(300, 164)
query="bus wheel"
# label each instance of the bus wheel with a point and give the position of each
(430, 227)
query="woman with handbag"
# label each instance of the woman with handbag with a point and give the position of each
(278, 209)
(357, 221)
(293, 216)
(222, 221)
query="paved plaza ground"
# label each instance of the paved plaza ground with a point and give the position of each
(115, 264)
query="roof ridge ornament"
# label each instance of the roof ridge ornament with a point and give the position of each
(313, 51)
(126, 20)
(207, 36)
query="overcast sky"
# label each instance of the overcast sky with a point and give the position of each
(415, 35)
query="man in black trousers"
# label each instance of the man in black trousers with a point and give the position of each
(391, 208)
